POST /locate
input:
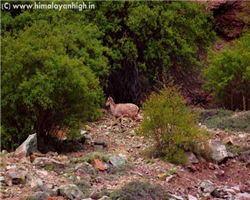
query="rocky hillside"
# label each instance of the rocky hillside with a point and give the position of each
(114, 156)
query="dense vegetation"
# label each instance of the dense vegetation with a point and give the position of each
(228, 74)
(55, 65)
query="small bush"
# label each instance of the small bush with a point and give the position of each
(169, 122)
(96, 155)
(140, 191)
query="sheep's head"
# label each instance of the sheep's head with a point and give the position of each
(109, 101)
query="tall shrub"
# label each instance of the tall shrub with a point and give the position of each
(43, 87)
(169, 122)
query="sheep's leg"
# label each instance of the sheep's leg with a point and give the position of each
(113, 121)
(121, 118)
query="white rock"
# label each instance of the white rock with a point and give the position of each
(218, 150)
(190, 197)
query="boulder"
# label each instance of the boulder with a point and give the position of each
(27, 147)
(190, 197)
(207, 186)
(242, 196)
(218, 150)
(71, 191)
(191, 158)
(41, 195)
(15, 177)
(119, 160)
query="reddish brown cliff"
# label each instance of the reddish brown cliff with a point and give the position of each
(228, 24)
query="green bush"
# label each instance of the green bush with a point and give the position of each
(169, 122)
(228, 74)
(42, 86)
(140, 191)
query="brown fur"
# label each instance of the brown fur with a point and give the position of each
(123, 110)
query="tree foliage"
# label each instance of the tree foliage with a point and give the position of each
(54, 61)
(49, 70)
(228, 74)
(151, 41)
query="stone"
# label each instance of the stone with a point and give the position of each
(15, 177)
(41, 195)
(83, 132)
(119, 160)
(191, 158)
(2, 179)
(36, 182)
(190, 197)
(175, 197)
(71, 191)
(28, 147)
(105, 198)
(98, 148)
(228, 140)
(218, 150)
(44, 161)
(207, 186)
(95, 195)
(242, 196)
(99, 165)
(4, 151)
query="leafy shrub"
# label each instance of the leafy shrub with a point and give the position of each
(169, 122)
(228, 74)
(140, 191)
(43, 87)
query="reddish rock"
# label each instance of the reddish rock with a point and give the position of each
(99, 165)
(227, 21)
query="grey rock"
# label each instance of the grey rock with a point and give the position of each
(98, 148)
(15, 177)
(41, 195)
(192, 158)
(95, 195)
(71, 191)
(105, 198)
(4, 151)
(218, 150)
(119, 160)
(190, 197)
(207, 186)
(44, 161)
(241, 196)
(2, 179)
(53, 192)
(83, 132)
(86, 169)
(175, 197)
(28, 147)
(36, 183)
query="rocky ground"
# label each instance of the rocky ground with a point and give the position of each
(113, 156)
